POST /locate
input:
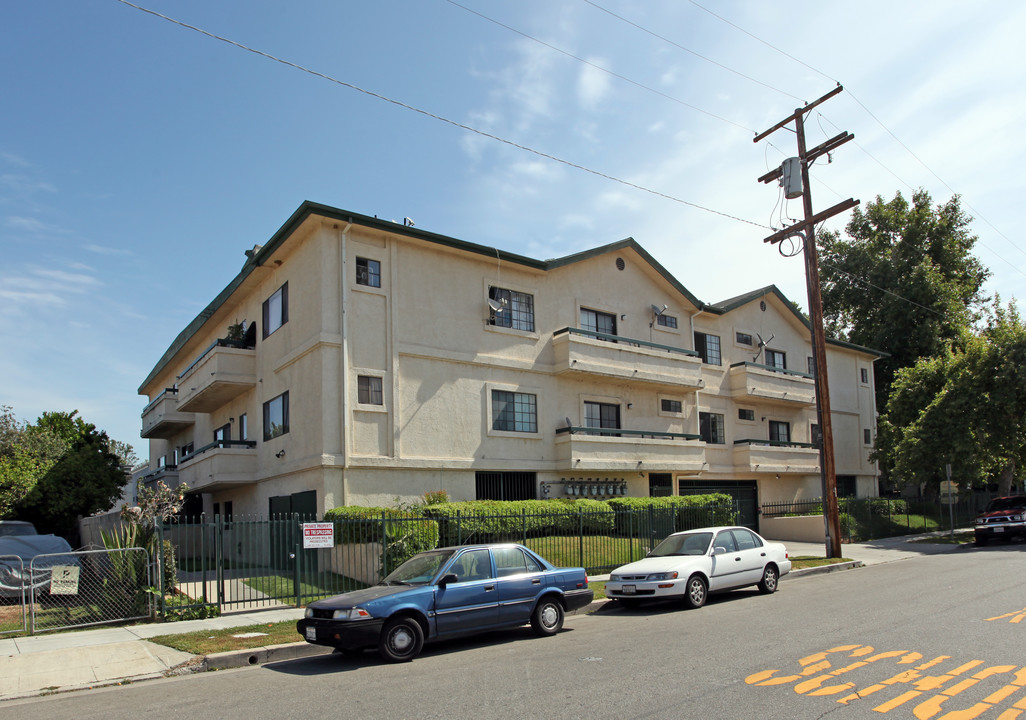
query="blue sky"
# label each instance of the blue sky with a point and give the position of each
(139, 159)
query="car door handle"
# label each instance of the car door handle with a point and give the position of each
(536, 581)
(489, 588)
(737, 559)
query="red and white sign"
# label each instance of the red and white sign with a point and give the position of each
(318, 535)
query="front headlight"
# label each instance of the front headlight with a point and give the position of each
(309, 613)
(663, 576)
(355, 613)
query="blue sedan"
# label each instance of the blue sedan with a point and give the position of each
(445, 593)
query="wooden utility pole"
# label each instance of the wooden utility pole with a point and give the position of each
(807, 231)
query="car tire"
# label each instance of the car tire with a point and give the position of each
(401, 640)
(770, 579)
(547, 618)
(696, 592)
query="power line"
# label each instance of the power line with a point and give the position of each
(440, 118)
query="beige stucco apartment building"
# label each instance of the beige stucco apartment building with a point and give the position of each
(372, 361)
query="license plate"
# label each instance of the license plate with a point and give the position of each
(311, 633)
(998, 529)
(627, 589)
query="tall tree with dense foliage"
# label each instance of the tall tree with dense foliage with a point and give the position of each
(904, 280)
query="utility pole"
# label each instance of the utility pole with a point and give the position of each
(806, 230)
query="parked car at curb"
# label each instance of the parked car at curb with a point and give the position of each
(1003, 519)
(445, 593)
(689, 565)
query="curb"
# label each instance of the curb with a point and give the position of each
(824, 569)
(259, 656)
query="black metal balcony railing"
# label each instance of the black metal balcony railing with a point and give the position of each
(773, 368)
(250, 444)
(619, 432)
(153, 403)
(625, 340)
(776, 443)
(220, 342)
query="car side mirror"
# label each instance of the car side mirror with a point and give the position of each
(719, 550)
(450, 578)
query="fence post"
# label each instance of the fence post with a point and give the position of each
(651, 528)
(297, 574)
(160, 575)
(384, 544)
(459, 529)
(580, 534)
(523, 526)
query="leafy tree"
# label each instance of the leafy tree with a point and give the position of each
(896, 252)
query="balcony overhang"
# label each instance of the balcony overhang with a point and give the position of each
(219, 465)
(763, 456)
(640, 361)
(762, 384)
(584, 450)
(218, 376)
(162, 418)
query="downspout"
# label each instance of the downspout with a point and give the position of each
(691, 322)
(344, 413)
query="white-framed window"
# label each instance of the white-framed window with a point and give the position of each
(368, 272)
(276, 310)
(776, 359)
(510, 309)
(867, 437)
(276, 416)
(514, 411)
(369, 390)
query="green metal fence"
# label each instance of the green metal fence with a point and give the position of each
(251, 562)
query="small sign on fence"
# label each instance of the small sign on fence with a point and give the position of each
(318, 535)
(64, 580)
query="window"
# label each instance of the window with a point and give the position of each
(725, 540)
(743, 339)
(472, 565)
(598, 322)
(368, 272)
(601, 415)
(368, 390)
(243, 427)
(667, 321)
(865, 375)
(672, 406)
(779, 431)
(513, 561)
(276, 310)
(812, 366)
(710, 427)
(867, 436)
(516, 309)
(776, 359)
(514, 412)
(816, 433)
(746, 414)
(846, 485)
(708, 346)
(276, 416)
(506, 485)
(745, 540)
(223, 433)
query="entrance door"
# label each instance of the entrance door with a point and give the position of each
(286, 514)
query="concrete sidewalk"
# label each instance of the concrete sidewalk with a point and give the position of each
(56, 662)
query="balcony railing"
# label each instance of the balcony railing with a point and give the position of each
(221, 373)
(758, 383)
(775, 456)
(585, 351)
(588, 449)
(161, 418)
(221, 463)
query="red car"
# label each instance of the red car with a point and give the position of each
(1004, 518)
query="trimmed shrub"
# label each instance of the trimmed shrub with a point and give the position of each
(672, 514)
(403, 536)
(482, 521)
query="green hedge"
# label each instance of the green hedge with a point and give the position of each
(672, 514)
(404, 536)
(481, 521)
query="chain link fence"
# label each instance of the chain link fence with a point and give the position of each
(13, 610)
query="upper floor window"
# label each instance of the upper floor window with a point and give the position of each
(743, 338)
(511, 309)
(276, 416)
(779, 431)
(602, 415)
(276, 310)
(369, 390)
(243, 427)
(514, 412)
(865, 375)
(223, 433)
(710, 427)
(708, 346)
(812, 365)
(598, 322)
(668, 321)
(776, 359)
(368, 272)
(746, 414)
(672, 406)
(816, 433)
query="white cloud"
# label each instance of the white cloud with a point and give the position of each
(592, 84)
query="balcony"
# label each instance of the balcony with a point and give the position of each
(168, 474)
(768, 456)
(764, 384)
(220, 374)
(582, 449)
(162, 418)
(220, 464)
(613, 356)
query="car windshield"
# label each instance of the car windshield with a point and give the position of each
(419, 569)
(686, 544)
(1006, 503)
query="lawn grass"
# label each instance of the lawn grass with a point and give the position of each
(205, 642)
(800, 562)
(600, 553)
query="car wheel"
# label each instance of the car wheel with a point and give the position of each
(401, 640)
(768, 584)
(696, 592)
(547, 618)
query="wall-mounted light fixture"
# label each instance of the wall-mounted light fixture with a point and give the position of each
(280, 454)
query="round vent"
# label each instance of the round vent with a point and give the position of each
(620, 264)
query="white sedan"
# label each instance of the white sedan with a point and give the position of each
(692, 564)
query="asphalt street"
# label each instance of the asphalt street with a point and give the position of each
(923, 637)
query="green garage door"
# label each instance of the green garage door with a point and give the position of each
(744, 492)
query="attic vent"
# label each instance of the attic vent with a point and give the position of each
(620, 264)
